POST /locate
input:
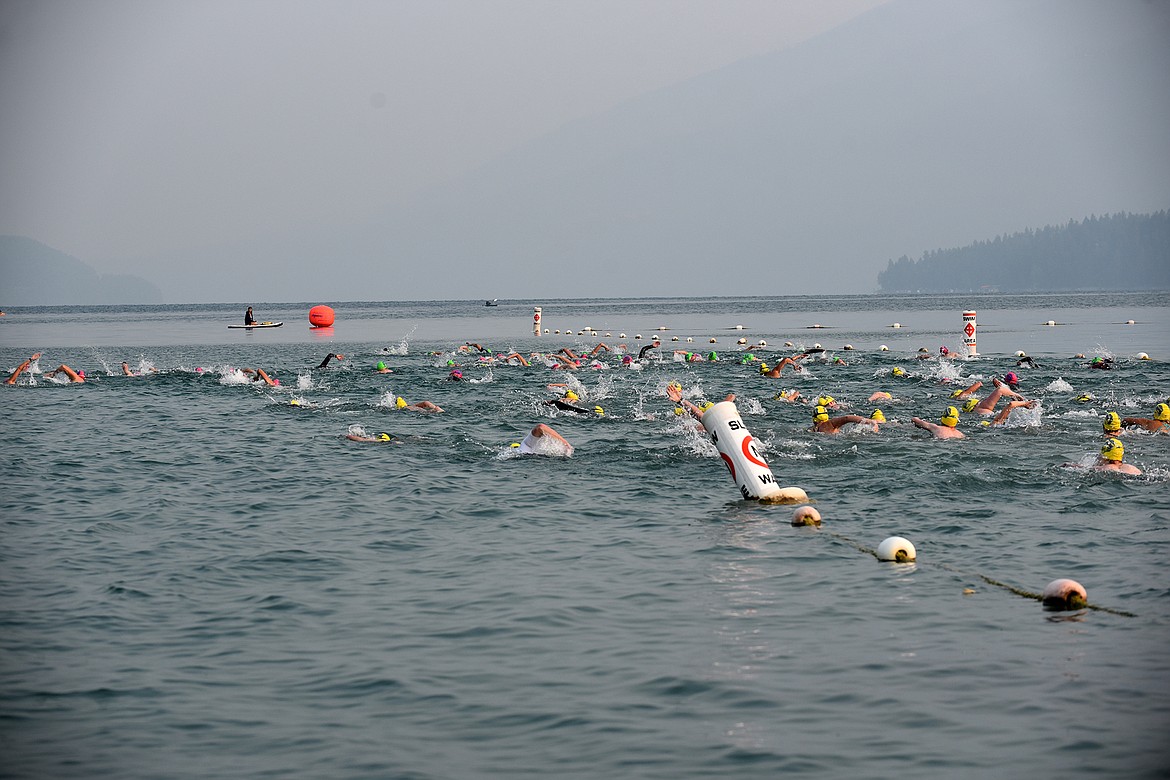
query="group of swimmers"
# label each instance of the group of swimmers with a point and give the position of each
(823, 420)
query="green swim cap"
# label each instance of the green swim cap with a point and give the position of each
(381, 366)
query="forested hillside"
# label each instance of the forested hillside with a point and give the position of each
(1117, 252)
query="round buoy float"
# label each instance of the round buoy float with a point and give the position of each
(1142, 356)
(883, 348)
(1064, 594)
(1050, 323)
(896, 549)
(321, 316)
(806, 515)
(896, 325)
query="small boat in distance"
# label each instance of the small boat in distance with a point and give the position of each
(265, 324)
(492, 302)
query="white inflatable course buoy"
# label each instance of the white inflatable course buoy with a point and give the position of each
(744, 460)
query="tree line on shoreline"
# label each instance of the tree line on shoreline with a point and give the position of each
(1116, 252)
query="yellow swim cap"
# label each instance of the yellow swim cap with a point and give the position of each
(384, 437)
(763, 368)
(878, 416)
(400, 402)
(294, 402)
(956, 393)
(1162, 412)
(1112, 422)
(820, 414)
(970, 404)
(1113, 450)
(515, 444)
(599, 411)
(678, 410)
(898, 371)
(706, 405)
(950, 417)
(825, 400)
(571, 396)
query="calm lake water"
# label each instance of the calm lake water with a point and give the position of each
(199, 578)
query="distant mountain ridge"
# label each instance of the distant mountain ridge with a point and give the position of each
(32, 274)
(1117, 252)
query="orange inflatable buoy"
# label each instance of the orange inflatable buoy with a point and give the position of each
(320, 316)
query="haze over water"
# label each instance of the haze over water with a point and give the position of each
(200, 579)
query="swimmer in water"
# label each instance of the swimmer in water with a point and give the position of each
(1111, 425)
(534, 443)
(329, 357)
(674, 393)
(946, 426)
(1159, 424)
(653, 345)
(822, 423)
(1002, 417)
(421, 406)
(574, 356)
(259, 375)
(74, 376)
(11, 380)
(967, 392)
(381, 368)
(987, 405)
(1112, 453)
(378, 438)
(775, 371)
(1026, 361)
(127, 372)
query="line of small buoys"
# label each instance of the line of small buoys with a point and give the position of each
(1059, 595)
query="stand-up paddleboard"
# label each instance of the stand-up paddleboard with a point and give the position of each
(259, 325)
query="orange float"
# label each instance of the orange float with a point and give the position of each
(321, 316)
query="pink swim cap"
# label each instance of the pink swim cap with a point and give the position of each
(1011, 378)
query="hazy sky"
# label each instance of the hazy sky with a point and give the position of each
(135, 128)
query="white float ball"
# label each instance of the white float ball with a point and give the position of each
(895, 548)
(806, 515)
(1064, 594)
